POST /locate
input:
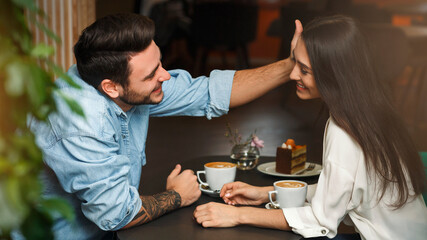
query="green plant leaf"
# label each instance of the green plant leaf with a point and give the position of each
(29, 4)
(17, 73)
(26, 89)
(31, 148)
(33, 193)
(37, 226)
(21, 169)
(2, 144)
(37, 86)
(55, 206)
(42, 112)
(42, 51)
(25, 42)
(72, 104)
(9, 218)
(14, 196)
(8, 51)
(59, 72)
(48, 32)
(5, 169)
(27, 149)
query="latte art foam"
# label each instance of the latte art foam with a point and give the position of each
(290, 184)
(220, 165)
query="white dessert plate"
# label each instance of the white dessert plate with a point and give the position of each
(208, 191)
(270, 169)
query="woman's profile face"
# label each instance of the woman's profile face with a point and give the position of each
(302, 73)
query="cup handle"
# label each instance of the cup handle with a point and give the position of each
(200, 180)
(270, 196)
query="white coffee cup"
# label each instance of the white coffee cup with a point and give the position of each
(217, 174)
(289, 193)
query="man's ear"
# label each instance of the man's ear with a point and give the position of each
(110, 88)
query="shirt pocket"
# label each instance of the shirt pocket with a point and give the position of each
(136, 161)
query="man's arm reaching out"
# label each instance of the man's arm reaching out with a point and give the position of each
(250, 84)
(182, 190)
(155, 206)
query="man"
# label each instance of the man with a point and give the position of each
(95, 162)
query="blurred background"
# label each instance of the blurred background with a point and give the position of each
(201, 35)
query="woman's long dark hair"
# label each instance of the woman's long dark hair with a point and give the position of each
(360, 104)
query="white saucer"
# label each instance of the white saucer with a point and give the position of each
(270, 206)
(209, 191)
(270, 169)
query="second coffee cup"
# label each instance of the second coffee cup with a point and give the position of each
(217, 174)
(289, 193)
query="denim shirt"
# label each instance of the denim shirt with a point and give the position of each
(95, 162)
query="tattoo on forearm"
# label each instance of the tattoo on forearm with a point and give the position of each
(155, 206)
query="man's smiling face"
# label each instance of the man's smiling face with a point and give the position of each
(145, 80)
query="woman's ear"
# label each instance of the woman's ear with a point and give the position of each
(110, 88)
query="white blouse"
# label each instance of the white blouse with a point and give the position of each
(345, 191)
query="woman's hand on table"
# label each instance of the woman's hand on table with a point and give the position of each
(216, 215)
(221, 215)
(244, 194)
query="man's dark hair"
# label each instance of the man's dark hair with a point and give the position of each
(106, 46)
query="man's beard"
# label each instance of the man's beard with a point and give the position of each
(132, 98)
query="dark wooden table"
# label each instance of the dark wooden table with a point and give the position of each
(180, 224)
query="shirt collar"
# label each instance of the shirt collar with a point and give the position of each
(73, 72)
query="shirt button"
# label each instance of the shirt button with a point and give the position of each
(323, 231)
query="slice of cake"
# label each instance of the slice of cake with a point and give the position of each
(290, 158)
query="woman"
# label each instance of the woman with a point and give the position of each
(372, 176)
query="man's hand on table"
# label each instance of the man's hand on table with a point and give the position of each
(185, 184)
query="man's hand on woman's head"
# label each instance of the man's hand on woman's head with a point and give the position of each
(297, 35)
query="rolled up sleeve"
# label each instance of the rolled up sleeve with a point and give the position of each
(335, 194)
(92, 170)
(202, 96)
(329, 205)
